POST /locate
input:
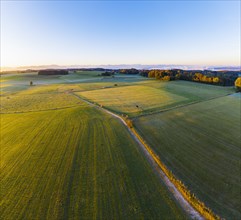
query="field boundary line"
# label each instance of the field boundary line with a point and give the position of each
(196, 209)
(179, 106)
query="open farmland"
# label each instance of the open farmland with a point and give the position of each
(37, 102)
(120, 110)
(12, 83)
(201, 145)
(63, 159)
(77, 162)
(191, 90)
(150, 96)
(132, 99)
(71, 87)
(15, 82)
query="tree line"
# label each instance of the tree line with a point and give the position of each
(223, 78)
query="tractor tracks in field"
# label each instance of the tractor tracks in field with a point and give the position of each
(41, 110)
(186, 206)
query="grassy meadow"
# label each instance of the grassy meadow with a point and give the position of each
(37, 102)
(193, 91)
(132, 99)
(64, 159)
(73, 163)
(201, 145)
(145, 97)
(12, 83)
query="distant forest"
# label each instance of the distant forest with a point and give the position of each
(53, 72)
(219, 77)
(223, 78)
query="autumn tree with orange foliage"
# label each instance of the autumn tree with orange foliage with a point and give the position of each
(238, 84)
(216, 80)
(223, 78)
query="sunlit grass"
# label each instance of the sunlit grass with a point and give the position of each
(37, 102)
(77, 163)
(201, 145)
(132, 99)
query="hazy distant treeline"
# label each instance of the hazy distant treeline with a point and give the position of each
(53, 72)
(224, 78)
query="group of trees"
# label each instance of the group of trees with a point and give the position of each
(223, 78)
(129, 71)
(108, 73)
(199, 77)
(238, 84)
(165, 75)
(53, 72)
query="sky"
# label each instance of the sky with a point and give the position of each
(120, 32)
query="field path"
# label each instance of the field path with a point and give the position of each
(178, 196)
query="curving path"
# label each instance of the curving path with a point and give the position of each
(178, 196)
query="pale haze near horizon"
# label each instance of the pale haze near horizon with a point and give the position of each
(102, 33)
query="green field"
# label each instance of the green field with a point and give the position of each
(62, 159)
(36, 102)
(77, 163)
(191, 90)
(73, 87)
(151, 96)
(132, 99)
(76, 81)
(12, 82)
(201, 145)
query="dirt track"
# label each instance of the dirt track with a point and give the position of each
(191, 212)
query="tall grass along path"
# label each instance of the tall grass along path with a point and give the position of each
(173, 189)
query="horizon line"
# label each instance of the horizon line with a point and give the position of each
(26, 67)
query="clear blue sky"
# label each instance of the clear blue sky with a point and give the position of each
(110, 32)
